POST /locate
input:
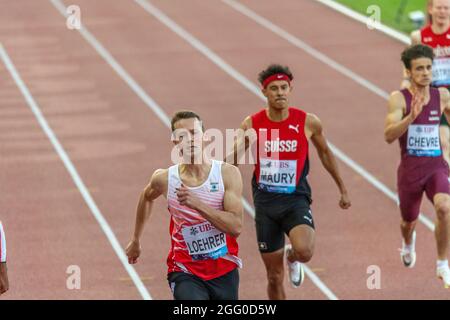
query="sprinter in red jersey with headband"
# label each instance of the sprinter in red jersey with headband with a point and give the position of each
(281, 193)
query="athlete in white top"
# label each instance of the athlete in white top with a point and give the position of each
(204, 200)
(4, 284)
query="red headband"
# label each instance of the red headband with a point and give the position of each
(275, 77)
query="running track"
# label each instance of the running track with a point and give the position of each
(115, 140)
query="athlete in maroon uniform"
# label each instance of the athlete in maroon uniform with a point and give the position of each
(413, 118)
(281, 192)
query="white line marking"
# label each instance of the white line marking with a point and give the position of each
(363, 19)
(116, 66)
(306, 48)
(73, 173)
(257, 91)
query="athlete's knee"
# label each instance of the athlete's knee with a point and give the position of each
(275, 276)
(303, 253)
(443, 209)
(409, 224)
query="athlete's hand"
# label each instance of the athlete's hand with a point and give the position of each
(186, 198)
(133, 251)
(4, 284)
(417, 103)
(345, 203)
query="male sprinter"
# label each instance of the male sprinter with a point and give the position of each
(413, 118)
(4, 284)
(281, 193)
(204, 201)
(437, 35)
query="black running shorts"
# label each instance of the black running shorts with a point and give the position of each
(272, 223)
(186, 286)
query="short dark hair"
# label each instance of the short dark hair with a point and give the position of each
(415, 52)
(274, 69)
(184, 114)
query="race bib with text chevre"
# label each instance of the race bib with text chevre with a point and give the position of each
(204, 241)
(423, 141)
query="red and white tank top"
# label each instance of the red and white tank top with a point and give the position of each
(441, 47)
(282, 152)
(2, 244)
(197, 247)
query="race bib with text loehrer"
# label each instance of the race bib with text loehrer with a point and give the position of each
(204, 241)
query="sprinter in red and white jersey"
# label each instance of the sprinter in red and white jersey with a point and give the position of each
(4, 284)
(204, 201)
(281, 193)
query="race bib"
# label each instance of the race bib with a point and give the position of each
(423, 141)
(204, 241)
(441, 71)
(279, 176)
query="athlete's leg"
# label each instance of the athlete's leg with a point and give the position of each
(302, 238)
(270, 237)
(442, 226)
(275, 274)
(437, 190)
(298, 224)
(187, 287)
(444, 132)
(410, 200)
(225, 287)
(407, 229)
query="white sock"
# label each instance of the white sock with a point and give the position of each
(442, 263)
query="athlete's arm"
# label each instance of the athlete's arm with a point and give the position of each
(415, 39)
(4, 284)
(156, 187)
(230, 219)
(395, 124)
(315, 131)
(241, 144)
(445, 102)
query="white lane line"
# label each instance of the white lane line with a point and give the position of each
(363, 19)
(217, 60)
(73, 173)
(316, 54)
(116, 66)
(156, 108)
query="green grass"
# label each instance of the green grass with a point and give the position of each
(390, 13)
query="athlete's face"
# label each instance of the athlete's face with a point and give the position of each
(440, 11)
(421, 71)
(188, 137)
(277, 93)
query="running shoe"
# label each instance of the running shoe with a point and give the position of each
(408, 255)
(443, 273)
(296, 272)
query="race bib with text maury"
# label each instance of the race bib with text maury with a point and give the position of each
(279, 176)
